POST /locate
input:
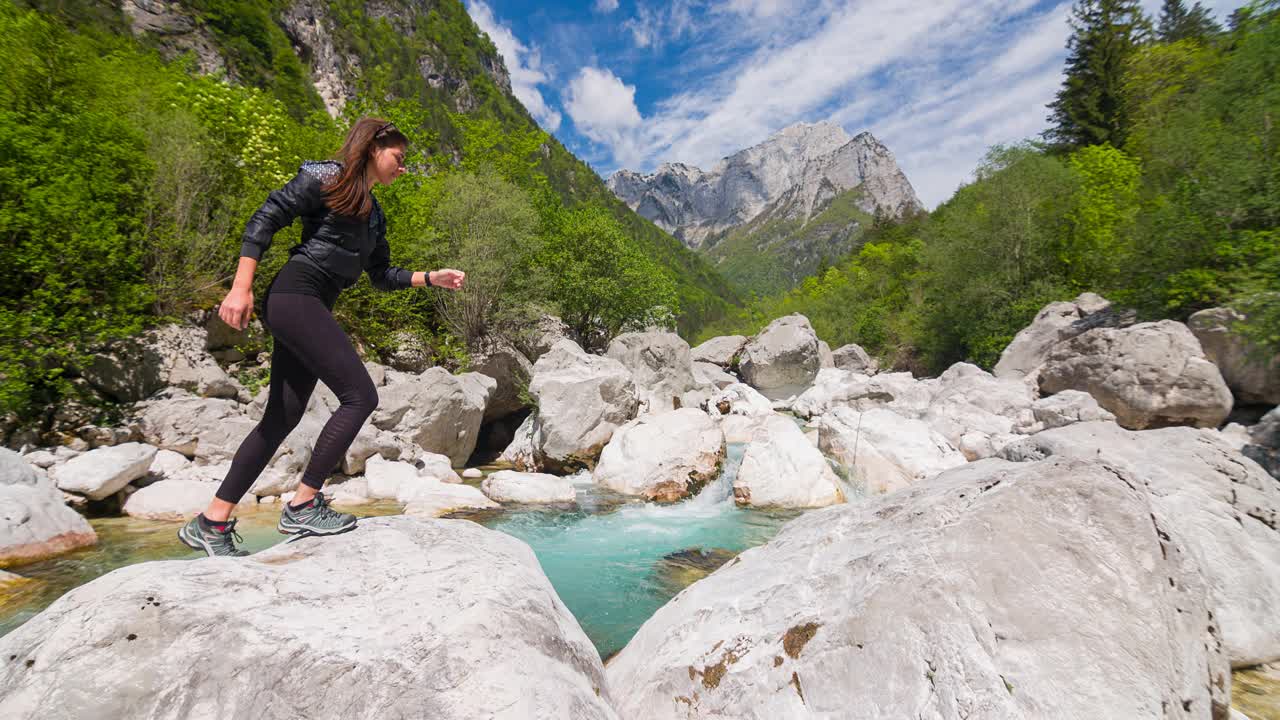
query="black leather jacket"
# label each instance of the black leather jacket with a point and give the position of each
(341, 245)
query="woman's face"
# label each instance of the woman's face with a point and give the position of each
(388, 164)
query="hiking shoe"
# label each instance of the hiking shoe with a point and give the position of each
(198, 535)
(314, 518)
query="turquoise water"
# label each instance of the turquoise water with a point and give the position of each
(606, 566)
(603, 555)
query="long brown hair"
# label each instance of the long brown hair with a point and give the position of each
(348, 193)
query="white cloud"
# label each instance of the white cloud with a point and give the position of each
(606, 6)
(603, 109)
(1043, 43)
(655, 25)
(755, 8)
(524, 65)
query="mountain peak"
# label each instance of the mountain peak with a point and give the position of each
(807, 128)
(806, 162)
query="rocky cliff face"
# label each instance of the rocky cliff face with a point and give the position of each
(793, 175)
(175, 31)
(310, 27)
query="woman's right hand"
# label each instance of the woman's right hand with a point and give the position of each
(237, 308)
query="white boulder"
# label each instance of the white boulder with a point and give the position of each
(174, 500)
(35, 523)
(510, 486)
(705, 373)
(582, 399)
(781, 468)
(1218, 505)
(1066, 408)
(661, 368)
(436, 410)
(664, 456)
(1055, 322)
(1252, 374)
(1148, 375)
(103, 471)
(883, 450)
(719, 350)
(853, 358)
(994, 591)
(419, 618)
(782, 359)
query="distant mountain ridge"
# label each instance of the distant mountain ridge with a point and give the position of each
(770, 214)
(797, 171)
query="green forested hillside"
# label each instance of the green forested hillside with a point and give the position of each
(1182, 215)
(126, 176)
(773, 252)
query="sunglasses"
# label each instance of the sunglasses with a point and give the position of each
(386, 130)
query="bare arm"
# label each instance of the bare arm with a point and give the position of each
(237, 307)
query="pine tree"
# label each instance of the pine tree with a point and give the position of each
(1089, 109)
(1179, 23)
(1256, 12)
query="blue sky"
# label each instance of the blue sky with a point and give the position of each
(636, 83)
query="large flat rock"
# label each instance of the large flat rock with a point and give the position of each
(1221, 506)
(401, 618)
(996, 591)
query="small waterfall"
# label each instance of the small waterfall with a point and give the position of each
(720, 490)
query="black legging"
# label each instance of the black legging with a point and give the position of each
(309, 345)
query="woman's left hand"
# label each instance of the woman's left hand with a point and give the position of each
(447, 278)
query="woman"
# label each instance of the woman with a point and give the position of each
(343, 233)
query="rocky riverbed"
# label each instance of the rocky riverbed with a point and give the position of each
(1093, 530)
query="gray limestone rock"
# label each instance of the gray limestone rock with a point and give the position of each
(582, 399)
(707, 374)
(782, 359)
(719, 350)
(1216, 504)
(519, 454)
(978, 412)
(853, 358)
(661, 368)
(997, 590)
(1066, 408)
(168, 356)
(104, 471)
(1055, 322)
(511, 370)
(35, 523)
(1264, 442)
(1252, 375)
(400, 618)
(437, 411)
(1148, 375)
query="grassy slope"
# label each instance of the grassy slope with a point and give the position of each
(771, 254)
